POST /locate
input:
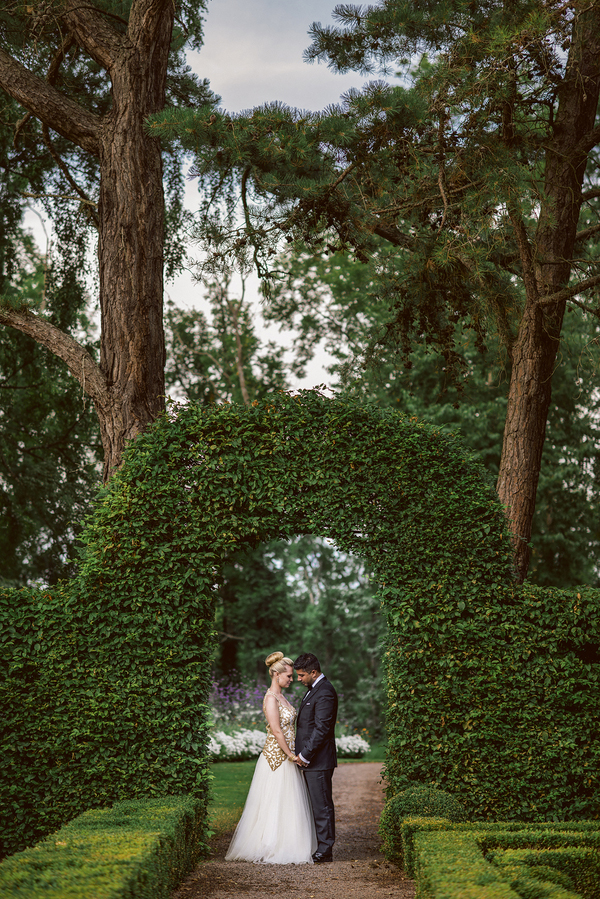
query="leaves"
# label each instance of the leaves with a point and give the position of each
(105, 679)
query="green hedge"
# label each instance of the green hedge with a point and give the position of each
(493, 697)
(417, 802)
(452, 861)
(492, 690)
(493, 835)
(140, 849)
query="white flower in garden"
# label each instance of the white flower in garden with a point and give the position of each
(213, 746)
(241, 744)
(351, 745)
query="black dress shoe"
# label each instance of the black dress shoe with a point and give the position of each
(320, 857)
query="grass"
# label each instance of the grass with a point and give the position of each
(231, 782)
(375, 754)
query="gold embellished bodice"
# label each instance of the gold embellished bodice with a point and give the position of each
(272, 751)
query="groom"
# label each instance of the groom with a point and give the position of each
(315, 748)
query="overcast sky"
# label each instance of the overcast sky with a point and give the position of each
(253, 54)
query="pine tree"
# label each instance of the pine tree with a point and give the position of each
(478, 169)
(331, 301)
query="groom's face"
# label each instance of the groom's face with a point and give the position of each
(307, 677)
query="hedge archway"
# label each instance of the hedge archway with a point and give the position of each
(121, 669)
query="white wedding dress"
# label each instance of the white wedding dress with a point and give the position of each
(277, 826)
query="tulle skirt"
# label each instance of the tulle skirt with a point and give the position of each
(277, 826)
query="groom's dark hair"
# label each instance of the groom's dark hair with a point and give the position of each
(307, 662)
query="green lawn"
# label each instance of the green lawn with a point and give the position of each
(231, 782)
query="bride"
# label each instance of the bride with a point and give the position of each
(277, 825)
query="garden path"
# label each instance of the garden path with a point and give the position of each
(358, 871)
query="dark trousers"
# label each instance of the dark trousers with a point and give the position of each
(319, 785)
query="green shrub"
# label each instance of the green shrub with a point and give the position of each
(449, 862)
(419, 801)
(140, 849)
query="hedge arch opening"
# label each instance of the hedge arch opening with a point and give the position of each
(126, 682)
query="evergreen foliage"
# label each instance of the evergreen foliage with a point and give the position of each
(491, 690)
(446, 165)
(478, 169)
(330, 301)
(39, 163)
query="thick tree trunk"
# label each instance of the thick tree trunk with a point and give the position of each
(130, 249)
(546, 268)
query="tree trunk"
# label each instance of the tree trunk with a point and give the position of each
(546, 269)
(130, 248)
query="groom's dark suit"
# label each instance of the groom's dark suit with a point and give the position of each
(315, 740)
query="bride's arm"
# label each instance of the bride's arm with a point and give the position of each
(272, 716)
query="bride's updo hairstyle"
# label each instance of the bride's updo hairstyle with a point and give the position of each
(277, 663)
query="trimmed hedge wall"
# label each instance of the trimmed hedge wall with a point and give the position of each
(494, 697)
(140, 849)
(492, 689)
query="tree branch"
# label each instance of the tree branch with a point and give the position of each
(78, 360)
(589, 141)
(587, 232)
(91, 206)
(525, 253)
(93, 33)
(50, 106)
(568, 292)
(592, 194)
(392, 234)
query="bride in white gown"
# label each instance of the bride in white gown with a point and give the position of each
(277, 826)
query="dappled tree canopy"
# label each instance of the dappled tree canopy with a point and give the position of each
(331, 301)
(49, 441)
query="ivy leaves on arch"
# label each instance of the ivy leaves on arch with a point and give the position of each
(205, 481)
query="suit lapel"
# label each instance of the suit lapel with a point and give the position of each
(312, 691)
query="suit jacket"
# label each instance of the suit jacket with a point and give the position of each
(315, 726)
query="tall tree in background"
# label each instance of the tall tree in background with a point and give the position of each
(86, 77)
(49, 443)
(219, 357)
(331, 301)
(481, 173)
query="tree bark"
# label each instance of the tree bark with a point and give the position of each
(130, 209)
(546, 264)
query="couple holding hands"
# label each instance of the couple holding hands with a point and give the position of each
(289, 816)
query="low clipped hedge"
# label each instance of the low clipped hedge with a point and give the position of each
(420, 801)
(140, 849)
(502, 860)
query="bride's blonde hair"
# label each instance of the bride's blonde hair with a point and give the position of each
(277, 663)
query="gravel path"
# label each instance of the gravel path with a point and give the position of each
(358, 870)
